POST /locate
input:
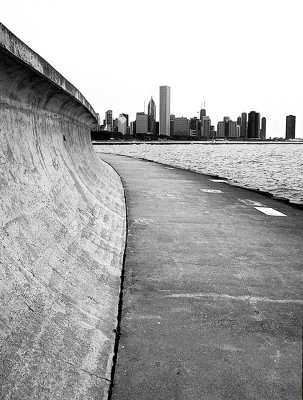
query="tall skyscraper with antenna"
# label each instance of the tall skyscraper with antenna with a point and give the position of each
(202, 111)
(164, 118)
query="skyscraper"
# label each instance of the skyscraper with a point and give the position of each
(205, 127)
(194, 127)
(181, 127)
(141, 123)
(172, 124)
(253, 126)
(290, 127)
(221, 129)
(122, 124)
(263, 129)
(243, 129)
(202, 113)
(257, 127)
(109, 120)
(151, 111)
(127, 119)
(164, 118)
(226, 121)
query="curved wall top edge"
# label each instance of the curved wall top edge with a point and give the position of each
(17, 48)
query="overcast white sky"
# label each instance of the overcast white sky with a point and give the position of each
(237, 55)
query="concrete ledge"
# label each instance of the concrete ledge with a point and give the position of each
(62, 236)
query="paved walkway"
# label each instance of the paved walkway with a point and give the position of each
(213, 290)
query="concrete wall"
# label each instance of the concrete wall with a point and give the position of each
(62, 236)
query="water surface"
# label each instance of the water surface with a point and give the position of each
(275, 168)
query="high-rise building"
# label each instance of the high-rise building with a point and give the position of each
(226, 121)
(132, 130)
(202, 113)
(194, 127)
(232, 133)
(220, 129)
(164, 118)
(257, 128)
(212, 131)
(127, 118)
(115, 125)
(263, 129)
(181, 127)
(253, 125)
(290, 127)
(238, 130)
(109, 120)
(141, 123)
(243, 128)
(205, 127)
(151, 111)
(172, 124)
(122, 124)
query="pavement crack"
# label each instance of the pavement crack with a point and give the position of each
(251, 302)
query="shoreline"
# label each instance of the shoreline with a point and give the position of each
(201, 142)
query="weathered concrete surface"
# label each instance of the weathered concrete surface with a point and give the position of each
(62, 236)
(213, 291)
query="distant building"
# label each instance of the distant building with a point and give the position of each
(141, 123)
(164, 119)
(109, 120)
(151, 111)
(290, 127)
(115, 125)
(243, 129)
(172, 124)
(238, 130)
(212, 131)
(205, 127)
(98, 128)
(202, 113)
(253, 125)
(132, 129)
(226, 121)
(258, 121)
(122, 124)
(263, 129)
(181, 127)
(194, 127)
(127, 118)
(232, 133)
(220, 129)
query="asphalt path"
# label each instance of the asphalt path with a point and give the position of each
(212, 294)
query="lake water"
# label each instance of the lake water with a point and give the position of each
(275, 168)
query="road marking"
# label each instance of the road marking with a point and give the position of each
(251, 202)
(271, 211)
(169, 168)
(251, 299)
(218, 180)
(211, 191)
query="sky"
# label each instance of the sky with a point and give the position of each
(236, 55)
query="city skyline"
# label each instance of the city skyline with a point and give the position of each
(226, 73)
(260, 125)
(247, 126)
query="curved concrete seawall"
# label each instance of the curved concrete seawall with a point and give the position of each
(62, 236)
